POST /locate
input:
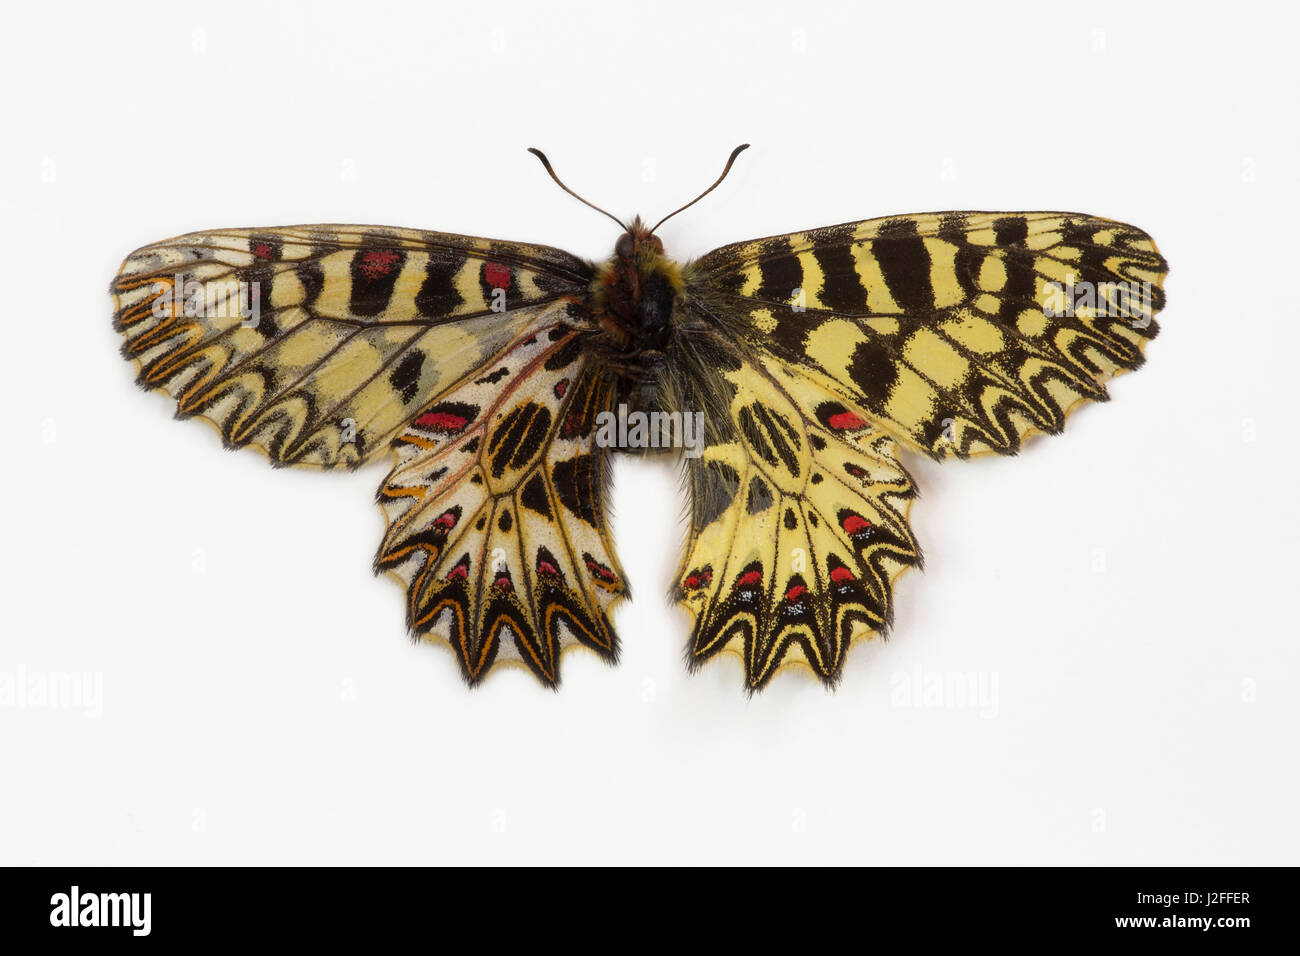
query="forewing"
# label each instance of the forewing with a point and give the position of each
(959, 333)
(317, 344)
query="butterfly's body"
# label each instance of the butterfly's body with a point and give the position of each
(635, 302)
(485, 367)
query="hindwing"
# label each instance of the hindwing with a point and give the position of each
(495, 508)
(798, 527)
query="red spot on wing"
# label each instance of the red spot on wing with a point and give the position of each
(377, 263)
(846, 421)
(446, 422)
(841, 574)
(545, 567)
(795, 592)
(749, 579)
(458, 573)
(496, 275)
(561, 387)
(698, 579)
(446, 520)
(854, 524)
(599, 570)
(502, 583)
(263, 250)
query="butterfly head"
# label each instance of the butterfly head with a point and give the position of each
(638, 242)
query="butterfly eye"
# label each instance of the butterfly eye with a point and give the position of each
(625, 246)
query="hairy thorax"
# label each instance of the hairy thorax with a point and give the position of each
(635, 297)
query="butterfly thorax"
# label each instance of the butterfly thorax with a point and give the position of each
(634, 299)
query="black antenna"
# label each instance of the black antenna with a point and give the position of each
(726, 169)
(547, 163)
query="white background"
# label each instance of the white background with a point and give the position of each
(1125, 592)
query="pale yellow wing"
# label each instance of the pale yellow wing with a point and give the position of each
(316, 344)
(495, 508)
(959, 333)
(798, 527)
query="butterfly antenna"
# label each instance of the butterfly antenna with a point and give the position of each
(547, 163)
(725, 169)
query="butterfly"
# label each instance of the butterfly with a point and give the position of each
(499, 378)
